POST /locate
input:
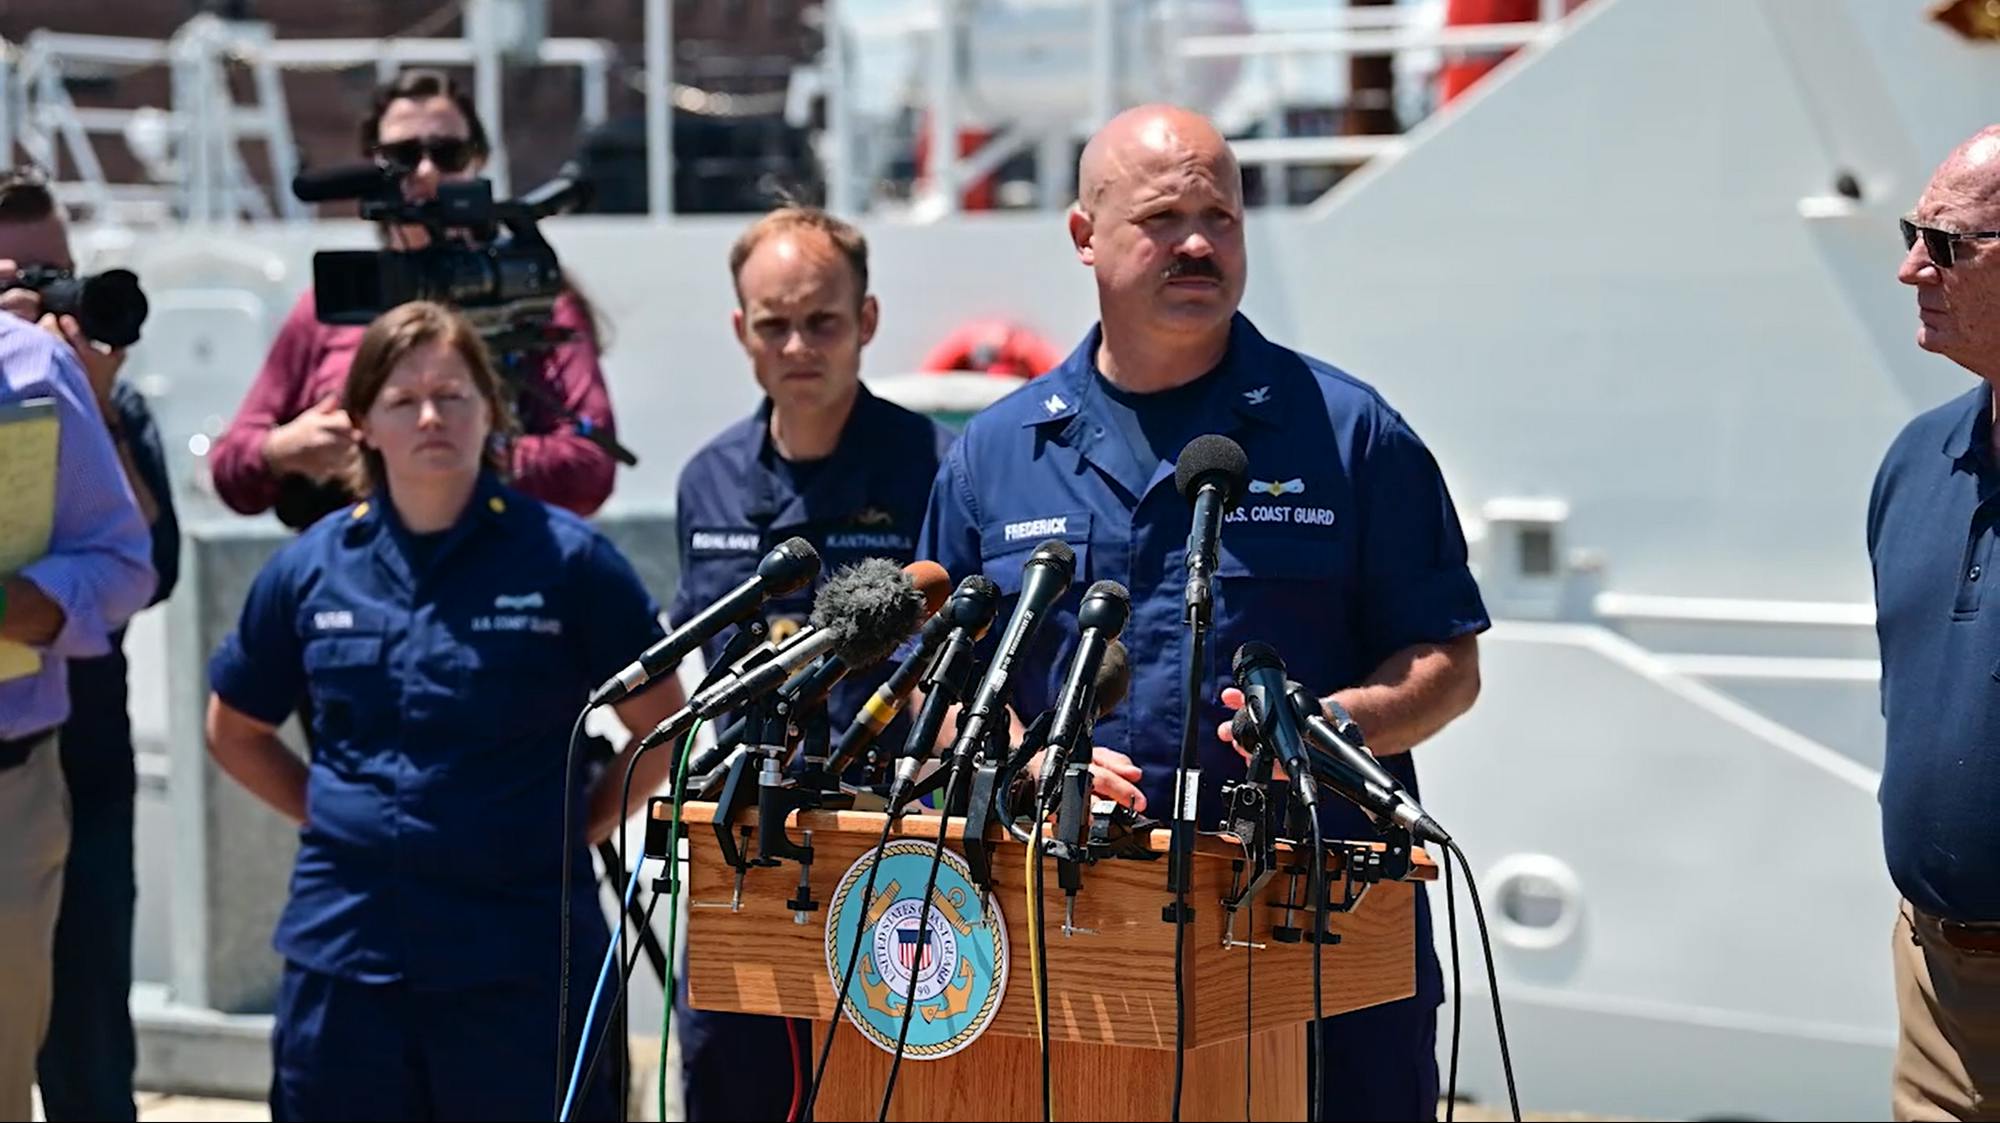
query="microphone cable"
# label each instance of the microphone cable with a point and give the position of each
(1492, 980)
(568, 855)
(1316, 1045)
(588, 1051)
(631, 962)
(923, 928)
(792, 1040)
(1038, 947)
(596, 996)
(672, 990)
(1457, 989)
(853, 959)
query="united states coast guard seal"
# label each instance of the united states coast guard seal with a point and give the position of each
(959, 958)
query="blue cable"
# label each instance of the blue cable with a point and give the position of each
(596, 996)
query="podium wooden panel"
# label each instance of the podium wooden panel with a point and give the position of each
(1111, 993)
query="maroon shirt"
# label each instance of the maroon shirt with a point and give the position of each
(308, 362)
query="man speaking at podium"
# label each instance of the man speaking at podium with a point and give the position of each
(1346, 554)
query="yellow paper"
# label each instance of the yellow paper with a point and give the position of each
(28, 433)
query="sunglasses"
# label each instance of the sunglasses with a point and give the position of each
(449, 153)
(1937, 242)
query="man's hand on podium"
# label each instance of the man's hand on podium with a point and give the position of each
(1112, 775)
(1233, 698)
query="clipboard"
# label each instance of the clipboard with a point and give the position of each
(28, 436)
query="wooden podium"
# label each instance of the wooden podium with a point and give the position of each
(1111, 991)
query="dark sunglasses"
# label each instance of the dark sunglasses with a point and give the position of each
(449, 153)
(1937, 242)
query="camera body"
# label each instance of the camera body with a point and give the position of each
(109, 307)
(486, 258)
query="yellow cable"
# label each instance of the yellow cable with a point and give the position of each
(1034, 852)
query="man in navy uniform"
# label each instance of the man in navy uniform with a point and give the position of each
(822, 459)
(1346, 554)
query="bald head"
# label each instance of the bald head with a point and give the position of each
(1970, 176)
(1146, 139)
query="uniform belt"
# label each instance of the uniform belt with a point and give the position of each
(1979, 937)
(14, 751)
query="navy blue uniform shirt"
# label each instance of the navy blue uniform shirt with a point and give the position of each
(737, 499)
(1345, 550)
(1931, 525)
(442, 698)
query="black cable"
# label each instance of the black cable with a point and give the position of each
(597, 1050)
(847, 978)
(1317, 1043)
(1492, 981)
(923, 930)
(618, 838)
(568, 853)
(1249, 986)
(1457, 988)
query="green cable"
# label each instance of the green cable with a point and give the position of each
(673, 906)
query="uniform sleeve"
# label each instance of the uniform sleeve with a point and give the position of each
(260, 667)
(553, 461)
(236, 462)
(950, 533)
(618, 618)
(1416, 584)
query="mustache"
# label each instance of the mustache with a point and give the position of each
(1204, 267)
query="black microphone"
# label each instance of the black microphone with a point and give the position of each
(812, 685)
(1044, 578)
(1342, 762)
(862, 612)
(971, 609)
(570, 190)
(1260, 674)
(971, 605)
(790, 566)
(1114, 678)
(347, 181)
(1210, 475)
(1106, 606)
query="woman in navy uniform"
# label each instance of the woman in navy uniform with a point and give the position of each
(824, 459)
(448, 630)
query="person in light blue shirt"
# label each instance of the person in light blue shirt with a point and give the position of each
(64, 604)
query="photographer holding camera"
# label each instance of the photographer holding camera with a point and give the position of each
(291, 446)
(87, 1055)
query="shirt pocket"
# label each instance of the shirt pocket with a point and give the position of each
(1288, 587)
(352, 695)
(515, 685)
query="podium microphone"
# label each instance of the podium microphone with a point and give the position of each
(811, 686)
(1044, 578)
(1342, 762)
(861, 614)
(889, 698)
(1106, 606)
(789, 567)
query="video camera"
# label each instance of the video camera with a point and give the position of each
(110, 306)
(485, 258)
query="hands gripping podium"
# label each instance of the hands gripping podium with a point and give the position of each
(1160, 973)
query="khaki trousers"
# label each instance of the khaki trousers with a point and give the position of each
(34, 842)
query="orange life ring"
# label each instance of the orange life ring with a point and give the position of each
(992, 346)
